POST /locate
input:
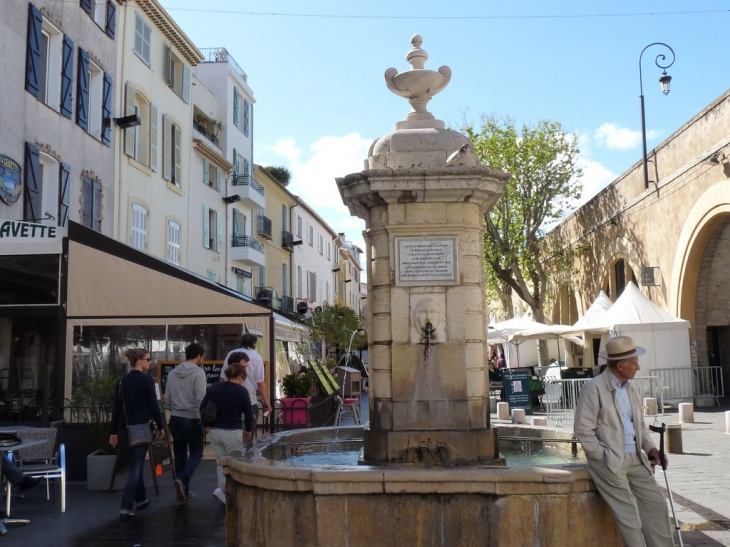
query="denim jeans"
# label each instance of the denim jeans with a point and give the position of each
(134, 491)
(187, 447)
(11, 472)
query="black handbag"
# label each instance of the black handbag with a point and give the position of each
(209, 411)
(137, 434)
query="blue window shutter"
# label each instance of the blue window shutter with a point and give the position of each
(235, 106)
(111, 19)
(246, 107)
(86, 6)
(106, 111)
(33, 51)
(235, 163)
(82, 93)
(245, 166)
(67, 77)
(64, 194)
(33, 183)
(236, 214)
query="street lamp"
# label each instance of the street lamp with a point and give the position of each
(664, 80)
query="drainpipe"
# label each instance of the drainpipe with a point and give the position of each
(120, 140)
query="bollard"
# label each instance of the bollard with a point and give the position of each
(686, 413)
(539, 420)
(727, 422)
(650, 406)
(503, 411)
(518, 416)
(492, 405)
(674, 439)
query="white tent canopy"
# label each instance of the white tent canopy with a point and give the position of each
(596, 312)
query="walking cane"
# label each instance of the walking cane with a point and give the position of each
(663, 461)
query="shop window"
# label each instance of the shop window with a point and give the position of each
(91, 204)
(142, 38)
(173, 242)
(138, 236)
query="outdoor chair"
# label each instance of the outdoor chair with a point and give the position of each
(347, 407)
(47, 460)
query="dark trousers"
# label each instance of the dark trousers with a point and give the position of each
(187, 445)
(134, 491)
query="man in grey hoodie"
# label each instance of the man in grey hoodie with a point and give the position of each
(185, 390)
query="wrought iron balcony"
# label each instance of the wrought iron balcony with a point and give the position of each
(264, 225)
(248, 180)
(287, 304)
(200, 128)
(247, 241)
(287, 240)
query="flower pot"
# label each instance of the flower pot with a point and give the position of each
(295, 411)
(99, 468)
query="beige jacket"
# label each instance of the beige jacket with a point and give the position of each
(598, 424)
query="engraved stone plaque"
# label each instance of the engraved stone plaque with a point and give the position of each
(426, 261)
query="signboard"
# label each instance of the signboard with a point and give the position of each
(517, 388)
(212, 371)
(10, 184)
(426, 261)
(326, 380)
(649, 276)
(24, 238)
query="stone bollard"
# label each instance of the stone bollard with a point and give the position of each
(492, 405)
(727, 422)
(539, 420)
(650, 406)
(518, 416)
(674, 439)
(503, 411)
(686, 413)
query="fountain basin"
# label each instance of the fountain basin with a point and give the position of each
(273, 502)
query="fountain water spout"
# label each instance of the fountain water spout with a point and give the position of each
(425, 453)
(443, 451)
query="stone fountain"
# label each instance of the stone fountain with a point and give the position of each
(430, 471)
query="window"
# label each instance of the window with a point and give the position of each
(246, 116)
(235, 106)
(262, 276)
(312, 286)
(171, 152)
(310, 236)
(103, 13)
(140, 142)
(299, 226)
(329, 247)
(178, 75)
(212, 275)
(98, 12)
(212, 174)
(284, 279)
(95, 92)
(284, 223)
(240, 283)
(299, 282)
(239, 223)
(173, 242)
(47, 188)
(620, 270)
(91, 204)
(320, 246)
(212, 229)
(49, 63)
(138, 236)
(142, 38)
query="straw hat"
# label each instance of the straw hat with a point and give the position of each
(620, 348)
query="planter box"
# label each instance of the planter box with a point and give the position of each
(295, 412)
(99, 469)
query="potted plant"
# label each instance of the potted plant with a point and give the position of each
(91, 404)
(297, 389)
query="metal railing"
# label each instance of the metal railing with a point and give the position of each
(206, 133)
(708, 382)
(247, 241)
(673, 384)
(221, 55)
(264, 225)
(248, 180)
(287, 240)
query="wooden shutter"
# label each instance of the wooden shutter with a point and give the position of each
(33, 183)
(166, 148)
(206, 227)
(236, 222)
(67, 76)
(235, 106)
(128, 111)
(153, 137)
(106, 111)
(33, 51)
(245, 116)
(96, 205)
(86, 6)
(186, 83)
(219, 232)
(82, 92)
(245, 166)
(87, 211)
(64, 193)
(218, 178)
(177, 138)
(111, 19)
(206, 171)
(169, 67)
(235, 163)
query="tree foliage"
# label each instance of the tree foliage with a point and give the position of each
(545, 182)
(334, 326)
(281, 174)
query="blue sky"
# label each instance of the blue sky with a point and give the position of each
(317, 67)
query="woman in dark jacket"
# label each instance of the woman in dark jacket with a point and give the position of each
(231, 400)
(135, 402)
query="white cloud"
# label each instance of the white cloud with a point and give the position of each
(615, 137)
(287, 148)
(595, 178)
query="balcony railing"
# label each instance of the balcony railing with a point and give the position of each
(264, 227)
(287, 240)
(247, 241)
(221, 55)
(287, 304)
(206, 133)
(248, 180)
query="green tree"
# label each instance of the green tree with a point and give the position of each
(334, 326)
(545, 183)
(281, 174)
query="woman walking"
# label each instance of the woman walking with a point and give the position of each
(227, 431)
(135, 402)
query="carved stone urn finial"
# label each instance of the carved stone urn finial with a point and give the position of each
(417, 85)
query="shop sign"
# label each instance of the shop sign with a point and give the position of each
(242, 273)
(10, 185)
(24, 238)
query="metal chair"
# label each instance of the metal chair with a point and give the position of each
(347, 408)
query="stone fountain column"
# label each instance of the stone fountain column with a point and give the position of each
(423, 195)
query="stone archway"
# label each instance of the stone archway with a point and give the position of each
(621, 248)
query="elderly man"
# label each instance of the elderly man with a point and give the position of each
(610, 426)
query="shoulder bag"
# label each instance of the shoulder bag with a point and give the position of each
(137, 434)
(209, 411)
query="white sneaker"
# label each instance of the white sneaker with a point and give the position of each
(218, 493)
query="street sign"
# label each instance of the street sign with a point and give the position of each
(517, 388)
